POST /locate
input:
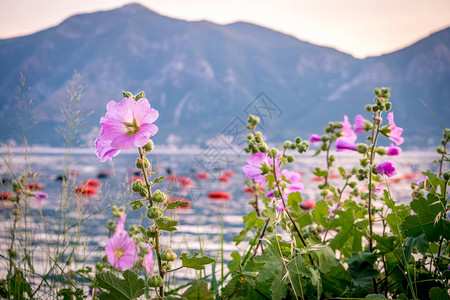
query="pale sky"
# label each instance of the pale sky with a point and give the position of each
(359, 27)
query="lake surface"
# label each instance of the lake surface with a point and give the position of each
(200, 226)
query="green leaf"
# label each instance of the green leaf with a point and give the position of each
(429, 219)
(321, 214)
(135, 205)
(18, 285)
(131, 287)
(199, 291)
(327, 259)
(361, 268)
(438, 294)
(418, 242)
(176, 204)
(386, 244)
(158, 179)
(271, 264)
(293, 201)
(252, 220)
(166, 223)
(375, 296)
(240, 237)
(279, 286)
(235, 262)
(195, 262)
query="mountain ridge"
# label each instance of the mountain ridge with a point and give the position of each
(192, 69)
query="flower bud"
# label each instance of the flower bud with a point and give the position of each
(372, 186)
(137, 185)
(149, 146)
(154, 212)
(374, 108)
(143, 193)
(152, 232)
(287, 144)
(276, 193)
(381, 150)
(446, 175)
(377, 92)
(441, 150)
(269, 228)
(323, 193)
(362, 148)
(368, 107)
(290, 158)
(388, 106)
(292, 147)
(155, 281)
(352, 184)
(258, 139)
(111, 225)
(274, 152)
(263, 148)
(168, 255)
(332, 157)
(142, 163)
(258, 134)
(158, 197)
(250, 136)
(298, 140)
(364, 162)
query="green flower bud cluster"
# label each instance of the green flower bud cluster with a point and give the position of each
(255, 143)
(360, 173)
(155, 281)
(117, 212)
(158, 197)
(252, 122)
(154, 212)
(381, 101)
(138, 186)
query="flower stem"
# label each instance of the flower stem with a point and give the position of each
(156, 238)
(289, 215)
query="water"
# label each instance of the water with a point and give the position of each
(200, 226)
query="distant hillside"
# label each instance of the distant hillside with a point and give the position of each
(201, 76)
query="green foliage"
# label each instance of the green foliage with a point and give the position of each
(361, 268)
(131, 287)
(429, 219)
(135, 205)
(166, 223)
(439, 294)
(195, 262)
(199, 291)
(176, 204)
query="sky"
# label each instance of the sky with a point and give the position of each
(358, 27)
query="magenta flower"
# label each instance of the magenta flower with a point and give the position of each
(347, 131)
(393, 150)
(396, 132)
(360, 124)
(343, 144)
(279, 207)
(386, 168)
(148, 261)
(315, 138)
(104, 151)
(293, 183)
(253, 168)
(40, 196)
(121, 251)
(126, 124)
(121, 224)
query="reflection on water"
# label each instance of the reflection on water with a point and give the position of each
(200, 225)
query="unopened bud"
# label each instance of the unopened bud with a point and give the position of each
(137, 185)
(381, 150)
(446, 175)
(362, 148)
(298, 140)
(388, 106)
(142, 163)
(155, 281)
(287, 144)
(168, 255)
(274, 152)
(263, 148)
(154, 212)
(290, 158)
(368, 107)
(149, 146)
(158, 197)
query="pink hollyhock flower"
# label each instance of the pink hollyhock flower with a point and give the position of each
(294, 184)
(360, 124)
(121, 251)
(40, 196)
(393, 150)
(386, 168)
(315, 138)
(126, 124)
(347, 131)
(121, 224)
(148, 261)
(253, 168)
(279, 207)
(396, 132)
(343, 144)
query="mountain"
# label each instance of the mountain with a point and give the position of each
(201, 76)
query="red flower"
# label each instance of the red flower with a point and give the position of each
(219, 195)
(5, 195)
(85, 190)
(92, 182)
(36, 186)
